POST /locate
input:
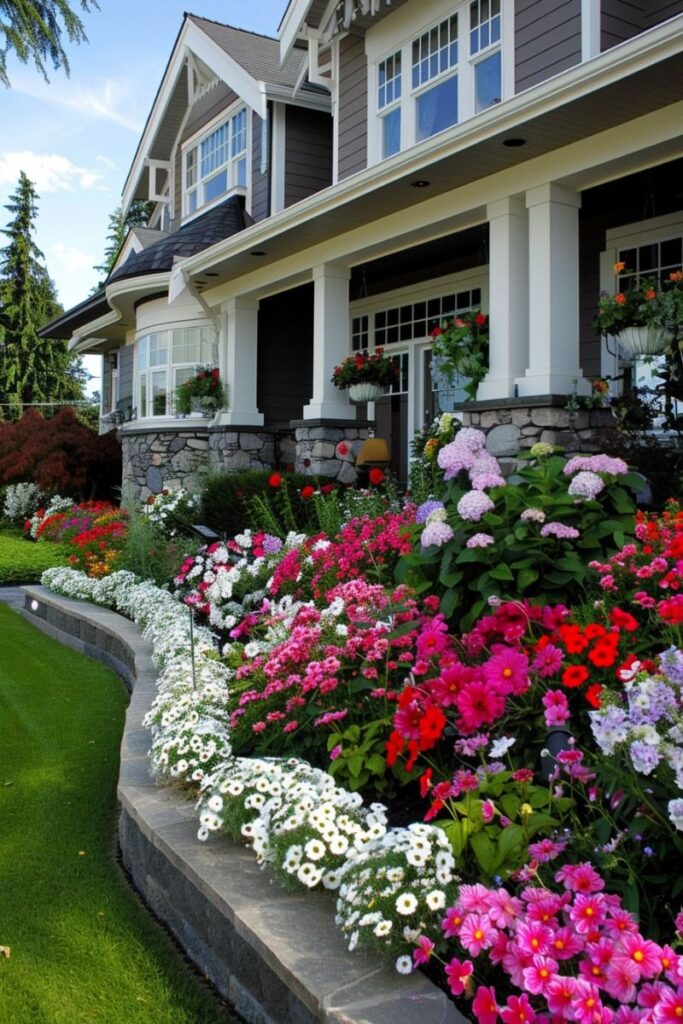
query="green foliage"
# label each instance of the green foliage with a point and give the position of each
(426, 479)
(84, 948)
(32, 369)
(520, 562)
(33, 29)
(231, 501)
(22, 561)
(461, 349)
(359, 751)
(150, 554)
(204, 388)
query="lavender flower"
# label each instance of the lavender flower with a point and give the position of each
(676, 813)
(671, 664)
(480, 540)
(596, 464)
(559, 530)
(271, 544)
(609, 727)
(435, 534)
(426, 509)
(586, 485)
(473, 505)
(481, 481)
(644, 757)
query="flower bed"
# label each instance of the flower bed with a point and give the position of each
(502, 736)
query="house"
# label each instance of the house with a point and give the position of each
(382, 165)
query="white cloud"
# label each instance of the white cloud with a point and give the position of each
(105, 162)
(69, 258)
(50, 172)
(109, 100)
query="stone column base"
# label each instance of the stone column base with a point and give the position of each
(317, 447)
(241, 447)
(156, 459)
(513, 424)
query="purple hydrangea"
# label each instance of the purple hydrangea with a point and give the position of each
(435, 534)
(426, 509)
(644, 757)
(482, 481)
(586, 485)
(559, 530)
(596, 464)
(473, 505)
(271, 545)
(480, 540)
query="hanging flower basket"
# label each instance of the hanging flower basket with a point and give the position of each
(647, 340)
(365, 391)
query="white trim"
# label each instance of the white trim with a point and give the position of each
(194, 141)
(590, 28)
(473, 277)
(644, 231)
(277, 172)
(290, 26)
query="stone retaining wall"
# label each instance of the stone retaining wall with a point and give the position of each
(317, 449)
(275, 956)
(155, 459)
(238, 448)
(520, 422)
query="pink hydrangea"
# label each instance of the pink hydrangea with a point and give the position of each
(474, 505)
(435, 534)
(596, 464)
(480, 540)
(559, 530)
(586, 485)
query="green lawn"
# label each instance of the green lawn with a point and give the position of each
(22, 561)
(83, 948)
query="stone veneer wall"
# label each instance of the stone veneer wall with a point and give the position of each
(518, 423)
(154, 459)
(238, 448)
(317, 447)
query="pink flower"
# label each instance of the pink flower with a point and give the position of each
(560, 995)
(580, 878)
(670, 1007)
(503, 908)
(586, 1005)
(452, 922)
(458, 974)
(484, 1005)
(477, 933)
(621, 980)
(644, 953)
(518, 1010)
(547, 661)
(546, 849)
(532, 937)
(425, 948)
(478, 704)
(537, 977)
(507, 670)
(587, 912)
(475, 898)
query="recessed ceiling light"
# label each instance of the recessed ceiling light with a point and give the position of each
(258, 252)
(420, 183)
(514, 143)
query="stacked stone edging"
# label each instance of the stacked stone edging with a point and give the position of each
(520, 423)
(275, 956)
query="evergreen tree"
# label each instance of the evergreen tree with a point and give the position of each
(34, 28)
(32, 369)
(119, 226)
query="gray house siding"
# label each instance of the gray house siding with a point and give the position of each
(260, 182)
(352, 118)
(285, 355)
(547, 39)
(623, 19)
(126, 372)
(308, 153)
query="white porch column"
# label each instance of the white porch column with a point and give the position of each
(508, 297)
(237, 359)
(330, 341)
(553, 293)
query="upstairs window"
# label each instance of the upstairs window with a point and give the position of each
(216, 164)
(436, 76)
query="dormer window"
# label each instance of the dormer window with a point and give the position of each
(437, 75)
(215, 164)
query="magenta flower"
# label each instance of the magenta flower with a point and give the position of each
(507, 670)
(484, 1005)
(425, 948)
(518, 1010)
(556, 708)
(538, 976)
(546, 849)
(477, 933)
(644, 953)
(458, 973)
(580, 878)
(669, 1008)
(532, 937)
(547, 662)
(588, 912)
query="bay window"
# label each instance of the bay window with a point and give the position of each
(165, 360)
(216, 164)
(455, 69)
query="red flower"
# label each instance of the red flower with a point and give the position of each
(376, 476)
(432, 725)
(436, 332)
(342, 448)
(480, 319)
(592, 695)
(215, 373)
(275, 480)
(308, 491)
(603, 655)
(623, 620)
(574, 676)
(327, 488)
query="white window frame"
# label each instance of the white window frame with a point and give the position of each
(229, 165)
(169, 368)
(398, 32)
(632, 236)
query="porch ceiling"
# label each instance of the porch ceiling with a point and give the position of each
(463, 162)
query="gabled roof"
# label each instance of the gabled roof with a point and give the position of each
(247, 62)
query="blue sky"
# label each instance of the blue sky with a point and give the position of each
(75, 137)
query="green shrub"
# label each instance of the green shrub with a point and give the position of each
(259, 499)
(151, 555)
(22, 561)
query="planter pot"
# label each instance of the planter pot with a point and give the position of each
(364, 392)
(644, 341)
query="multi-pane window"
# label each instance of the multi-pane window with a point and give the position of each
(359, 333)
(388, 103)
(434, 55)
(400, 383)
(657, 259)
(452, 70)
(485, 28)
(416, 319)
(165, 360)
(217, 163)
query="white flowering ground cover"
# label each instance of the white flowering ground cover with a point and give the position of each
(392, 884)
